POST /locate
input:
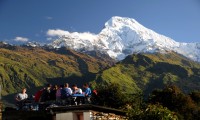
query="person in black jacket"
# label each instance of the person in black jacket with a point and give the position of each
(45, 96)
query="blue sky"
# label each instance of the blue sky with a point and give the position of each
(29, 20)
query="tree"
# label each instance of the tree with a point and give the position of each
(152, 112)
(112, 95)
(173, 98)
(196, 97)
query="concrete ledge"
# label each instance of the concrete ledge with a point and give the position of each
(78, 112)
(84, 107)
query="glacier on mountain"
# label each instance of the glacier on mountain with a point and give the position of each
(121, 37)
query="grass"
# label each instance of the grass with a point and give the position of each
(145, 72)
(31, 67)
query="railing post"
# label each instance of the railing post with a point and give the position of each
(1, 107)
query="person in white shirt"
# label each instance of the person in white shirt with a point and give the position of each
(21, 97)
(76, 89)
(77, 100)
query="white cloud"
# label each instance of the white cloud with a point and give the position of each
(21, 39)
(57, 33)
(60, 33)
(85, 35)
(48, 18)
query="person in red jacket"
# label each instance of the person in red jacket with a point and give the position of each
(38, 95)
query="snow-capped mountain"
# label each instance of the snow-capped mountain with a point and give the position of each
(32, 44)
(124, 36)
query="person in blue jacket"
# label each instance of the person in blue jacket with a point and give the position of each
(87, 93)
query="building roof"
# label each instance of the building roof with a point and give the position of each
(85, 107)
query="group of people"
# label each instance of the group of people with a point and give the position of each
(58, 93)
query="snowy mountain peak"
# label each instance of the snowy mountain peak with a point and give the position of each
(32, 44)
(118, 21)
(124, 36)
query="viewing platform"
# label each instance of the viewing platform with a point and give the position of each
(73, 112)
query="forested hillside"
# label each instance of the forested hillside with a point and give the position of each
(145, 72)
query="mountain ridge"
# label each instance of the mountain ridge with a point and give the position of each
(123, 36)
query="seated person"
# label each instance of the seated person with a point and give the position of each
(77, 90)
(66, 92)
(45, 96)
(58, 93)
(88, 93)
(53, 92)
(38, 95)
(21, 98)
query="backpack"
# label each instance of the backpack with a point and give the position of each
(64, 93)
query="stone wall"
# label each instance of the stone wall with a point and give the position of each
(26, 115)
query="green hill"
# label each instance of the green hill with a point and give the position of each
(34, 67)
(145, 72)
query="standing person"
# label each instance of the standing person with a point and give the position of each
(87, 93)
(21, 98)
(77, 90)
